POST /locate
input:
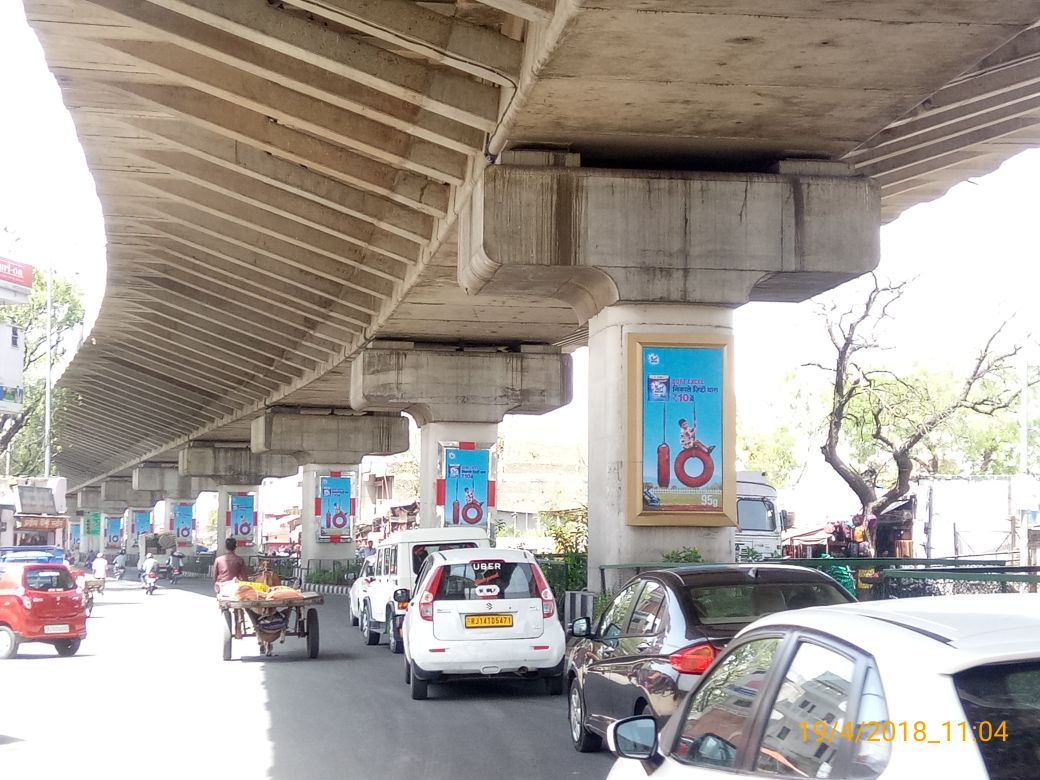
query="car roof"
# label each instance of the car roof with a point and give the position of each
(733, 573)
(432, 535)
(485, 554)
(949, 633)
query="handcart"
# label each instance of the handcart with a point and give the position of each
(90, 586)
(271, 621)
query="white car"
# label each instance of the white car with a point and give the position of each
(479, 614)
(935, 687)
(395, 564)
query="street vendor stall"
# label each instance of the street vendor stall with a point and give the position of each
(251, 609)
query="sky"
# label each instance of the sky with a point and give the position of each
(972, 254)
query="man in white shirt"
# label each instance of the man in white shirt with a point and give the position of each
(99, 568)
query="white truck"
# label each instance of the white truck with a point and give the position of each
(394, 565)
(759, 523)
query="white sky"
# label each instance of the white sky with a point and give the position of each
(974, 251)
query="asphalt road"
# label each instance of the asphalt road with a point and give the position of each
(148, 697)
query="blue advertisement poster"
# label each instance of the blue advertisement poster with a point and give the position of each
(682, 427)
(142, 522)
(182, 522)
(334, 505)
(74, 534)
(466, 486)
(242, 515)
(113, 530)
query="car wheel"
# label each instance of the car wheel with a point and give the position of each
(351, 615)
(8, 642)
(407, 672)
(396, 645)
(582, 739)
(67, 647)
(371, 637)
(554, 685)
(420, 688)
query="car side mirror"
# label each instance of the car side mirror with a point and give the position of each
(581, 627)
(634, 737)
(402, 595)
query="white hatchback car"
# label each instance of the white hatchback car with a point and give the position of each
(478, 614)
(942, 686)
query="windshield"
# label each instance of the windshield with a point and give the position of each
(744, 603)
(49, 579)
(488, 579)
(756, 514)
(1003, 717)
(420, 551)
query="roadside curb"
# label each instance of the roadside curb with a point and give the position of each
(332, 590)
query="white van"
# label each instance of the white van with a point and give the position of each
(396, 563)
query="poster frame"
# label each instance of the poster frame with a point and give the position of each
(635, 513)
(491, 447)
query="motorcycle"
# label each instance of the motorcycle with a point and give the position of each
(151, 580)
(118, 572)
(173, 568)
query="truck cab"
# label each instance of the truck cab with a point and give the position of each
(759, 523)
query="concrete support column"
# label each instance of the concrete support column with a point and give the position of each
(225, 520)
(312, 548)
(88, 501)
(483, 435)
(611, 539)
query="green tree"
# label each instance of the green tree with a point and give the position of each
(23, 433)
(772, 452)
(568, 528)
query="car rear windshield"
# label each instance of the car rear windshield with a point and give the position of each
(49, 579)
(488, 579)
(1002, 708)
(421, 551)
(743, 603)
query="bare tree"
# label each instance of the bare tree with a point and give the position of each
(893, 415)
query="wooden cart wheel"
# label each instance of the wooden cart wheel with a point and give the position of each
(227, 634)
(312, 632)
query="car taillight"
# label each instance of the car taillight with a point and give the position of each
(545, 592)
(693, 659)
(426, 600)
(26, 601)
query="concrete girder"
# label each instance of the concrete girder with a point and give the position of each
(301, 76)
(212, 333)
(247, 126)
(445, 385)
(455, 96)
(367, 263)
(142, 399)
(245, 294)
(247, 160)
(120, 491)
(130, 412)
(234, 465)
(580, 235)
(329, 438)
(168, 481)
(260, 260)
(443, 39)
(108, 379)
(100, 423)
(212, 346)
(117, 367)
(89, 499)
(294, 109)
(350, 317)
(247, 189)
(537, 11)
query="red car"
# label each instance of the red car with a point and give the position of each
(40, 602)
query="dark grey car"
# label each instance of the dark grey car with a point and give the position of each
(664, 628)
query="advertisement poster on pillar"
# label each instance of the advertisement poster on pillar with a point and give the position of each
(92, 523)
(113, 531)
(334, 507)
(182, 523)
(142, 522)
(466, 478)
(74, 534)
(681, 429)
(243, 517)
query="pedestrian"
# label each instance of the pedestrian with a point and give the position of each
(228, 566)
(99, 568)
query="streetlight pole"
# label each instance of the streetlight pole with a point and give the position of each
(47, 390)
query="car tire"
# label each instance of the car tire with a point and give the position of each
(351, 615)
(420, 688)
(371, 637)
(554, 685)
(407, 672)
(392, 634)
(583, 740)
(8, 643)
(67, 647)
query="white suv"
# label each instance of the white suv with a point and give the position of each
(394, 565)
(481, 613)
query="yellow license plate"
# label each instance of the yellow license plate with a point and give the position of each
(489, 621)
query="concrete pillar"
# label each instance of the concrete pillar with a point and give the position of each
(88, 501)
(458, 396)
(661, 252)
(318, 542)
(248, 540)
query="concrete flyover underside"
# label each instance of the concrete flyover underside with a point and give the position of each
(281, 182)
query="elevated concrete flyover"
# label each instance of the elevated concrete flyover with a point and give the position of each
(282, 182)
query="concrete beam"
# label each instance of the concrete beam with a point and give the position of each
(329, 437)
(89, 499)
(592, 238)
(234, 465)
(120, 492)
(168, 481)
(446, 385)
